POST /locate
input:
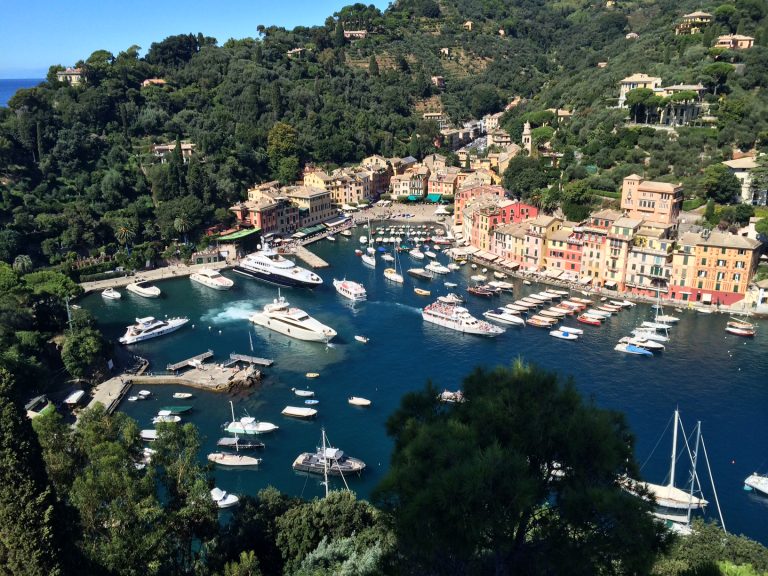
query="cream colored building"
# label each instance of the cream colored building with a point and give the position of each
(742, 168)
(634, 82)
(657, 202)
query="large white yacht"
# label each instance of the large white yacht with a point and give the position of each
(459, 319)
(294, 322)
(149, 327)
(144, 288)
(349, 289)
(269, 266)
(212, 279)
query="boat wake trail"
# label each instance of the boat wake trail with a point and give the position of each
(233, 312)
(400, 305)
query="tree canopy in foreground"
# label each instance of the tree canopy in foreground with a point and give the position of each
(520, 478)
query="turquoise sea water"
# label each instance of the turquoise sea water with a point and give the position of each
(8, 87)
(711, 376)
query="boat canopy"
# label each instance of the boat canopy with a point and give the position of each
(333, 453)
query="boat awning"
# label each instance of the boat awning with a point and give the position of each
(336, 221)
(74, 398)
(239, 234)
(706, 298)
(434, 198)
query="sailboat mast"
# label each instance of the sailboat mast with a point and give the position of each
(325, 465)
(695, 458)
(232, 407)
(674, 449)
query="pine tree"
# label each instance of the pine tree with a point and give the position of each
(373, 66)
(28, 515)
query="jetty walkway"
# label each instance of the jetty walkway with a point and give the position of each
(310, 258)
(156, 274)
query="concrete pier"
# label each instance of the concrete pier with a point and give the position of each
(157, 274)
(193, 362)
(251, 359)
(312, 259)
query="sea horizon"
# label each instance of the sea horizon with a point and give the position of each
(9, 87)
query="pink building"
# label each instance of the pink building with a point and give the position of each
(463, 196)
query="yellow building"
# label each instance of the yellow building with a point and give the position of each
(649, 263)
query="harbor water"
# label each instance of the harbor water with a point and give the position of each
(711, 376)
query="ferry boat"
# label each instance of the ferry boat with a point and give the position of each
(459, 319)
(212, 279)
(294, 322)
(149, 327)
(349, 289)
(328, 460)
(269, 266)
(144, 288)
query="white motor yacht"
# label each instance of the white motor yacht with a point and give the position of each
(225, 459)
(149, 327)
(212, 279)
(269, 266)
(369, 260)
(294, 322)
(111, 294)
(349, 289)
(437, 268)
(144, 288)
(504, 316)
(223, 499)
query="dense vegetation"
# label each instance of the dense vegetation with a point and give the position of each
(521, 478)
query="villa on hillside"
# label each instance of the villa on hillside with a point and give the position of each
(735, 42)
(634, 82)
(72, 76)
(742, 168)
(161, 151)
(693, 23)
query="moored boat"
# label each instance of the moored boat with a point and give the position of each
(328, 460)
(303, 393)
(358, 401)
(631, 349)
(589, 320)
(421, 292)
(182, 395)
(480, 291)
(420, 273)
(369, 260)
(144, 288)
(651, 345)
(564, 334)
(223, 499)
(299, 412)
(757, 482)
(740, 327)
(269, 266)
(226, 459)
(212, 279)
(504, 316)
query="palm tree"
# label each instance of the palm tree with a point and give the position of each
(22, 264)
(125, 234)
(182, 225)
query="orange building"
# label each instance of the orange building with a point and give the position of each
(657, 202)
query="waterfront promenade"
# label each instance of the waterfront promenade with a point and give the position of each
(164, 273)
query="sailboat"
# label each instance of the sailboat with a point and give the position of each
(675, 505)
(660, 316)
(392, 274)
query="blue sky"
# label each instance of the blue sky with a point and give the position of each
(36, 34)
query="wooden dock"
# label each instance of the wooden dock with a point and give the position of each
(250, 359)
(312, 259)
(193, 362)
